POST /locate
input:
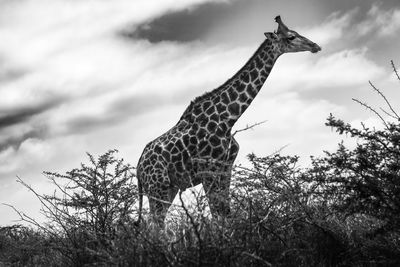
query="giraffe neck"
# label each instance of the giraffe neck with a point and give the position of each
(227, 103)
(237, 94)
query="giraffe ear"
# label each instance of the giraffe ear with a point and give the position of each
(270, 35)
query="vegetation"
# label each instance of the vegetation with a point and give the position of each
(343, 210)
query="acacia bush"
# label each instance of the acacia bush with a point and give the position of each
(24, 246)
(86, 209)
(342, 210)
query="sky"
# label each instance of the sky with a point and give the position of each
(93, 75)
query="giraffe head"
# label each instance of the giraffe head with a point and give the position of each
(290, 41)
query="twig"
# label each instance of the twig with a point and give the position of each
(26, 218)
(45, 203)
(248, 127)
(395, 70)
(279, 150)
(371, 109)
(387, 113)
(384, 97)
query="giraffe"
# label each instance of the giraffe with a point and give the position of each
(200, 147)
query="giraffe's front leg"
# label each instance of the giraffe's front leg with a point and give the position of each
(216, 184)
(216, 187)
(161, 194)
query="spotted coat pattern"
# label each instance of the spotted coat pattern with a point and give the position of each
(200, 147)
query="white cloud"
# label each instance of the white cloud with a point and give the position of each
(8, 161)
(76, 55)
(63, 44)
(30, 152)
(71, 51)
(331, 29)
(340, 70)
(380, 22)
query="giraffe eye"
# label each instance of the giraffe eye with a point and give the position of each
(291, 38)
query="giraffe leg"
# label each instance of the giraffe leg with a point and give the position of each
(160, 201)
(217, 186)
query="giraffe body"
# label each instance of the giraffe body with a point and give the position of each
(178, 160)
(200, 147)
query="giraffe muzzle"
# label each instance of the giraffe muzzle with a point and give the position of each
(316, 48)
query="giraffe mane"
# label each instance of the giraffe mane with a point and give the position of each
(207, 95)
(198, 100)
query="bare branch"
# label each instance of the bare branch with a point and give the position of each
(48, 206)
(388, 114)
(384, 97)
(279, 150)
(395, 70)
(371, 109)
(28, 219)
(248, 127)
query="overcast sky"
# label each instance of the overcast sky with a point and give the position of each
(92, 75)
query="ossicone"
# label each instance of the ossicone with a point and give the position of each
(282, 28)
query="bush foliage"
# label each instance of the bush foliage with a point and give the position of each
(342, 210)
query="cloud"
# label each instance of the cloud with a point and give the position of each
(106, 80)
(316, 72)
(23, 114)
(31, 150)
(384, 23)
(71, 50)
(332, 29)
(8, 73)
(169, 27)
(152, 77)
(117, 111)
(16, 140)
